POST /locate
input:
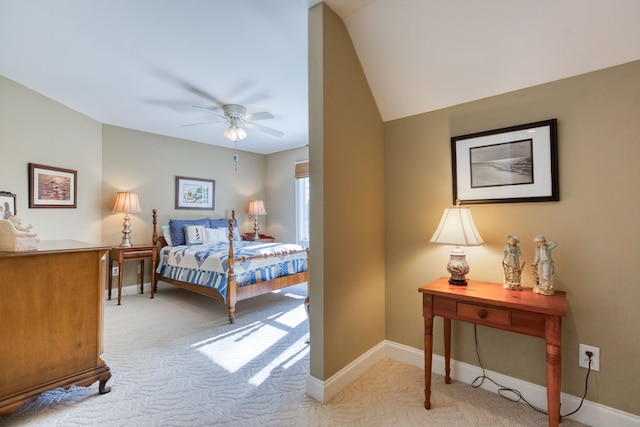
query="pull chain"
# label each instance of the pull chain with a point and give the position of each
(235, 156)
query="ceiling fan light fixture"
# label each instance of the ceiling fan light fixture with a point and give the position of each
(235, 133)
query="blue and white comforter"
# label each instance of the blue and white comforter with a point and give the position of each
(208, 265)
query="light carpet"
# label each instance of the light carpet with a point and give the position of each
(176, 361)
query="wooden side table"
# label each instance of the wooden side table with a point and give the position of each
(489, 304)
(140, 253)
(263, 238)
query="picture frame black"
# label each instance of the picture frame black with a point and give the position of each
(52, 187)
(514, 164)
(8, 205)
(195, 193)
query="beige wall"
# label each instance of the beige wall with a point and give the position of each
(594, 223)
(280, 220)
(347, 201)
(148, 164)
(35, 129)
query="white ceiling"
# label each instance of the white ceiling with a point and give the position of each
(144, 64)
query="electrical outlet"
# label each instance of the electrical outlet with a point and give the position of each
(115, 271)
(139, 269)
(583, 359)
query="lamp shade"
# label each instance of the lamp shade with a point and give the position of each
(457, 228)
(256, 208)
(235, 133)
(127, 202)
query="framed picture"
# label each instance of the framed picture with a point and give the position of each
(195, 193)
(514, 164)
(7, 204)
(51, 187)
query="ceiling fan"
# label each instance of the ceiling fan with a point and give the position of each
(236, 117)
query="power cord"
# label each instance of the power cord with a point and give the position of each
(502, 389)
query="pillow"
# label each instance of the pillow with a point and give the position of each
(176, 229)
(216, 235)
(166, 234)
(194, 234)
(224, 223)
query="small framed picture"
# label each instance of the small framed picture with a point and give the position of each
(51, 187)
(195, 193)
(514, 164)
(7, 204)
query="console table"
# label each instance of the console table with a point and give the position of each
(489, 304)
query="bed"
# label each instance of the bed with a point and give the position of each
(208, 257)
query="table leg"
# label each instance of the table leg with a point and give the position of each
(142, 276)
(447, 350)
(119, 281)
(553, 336)
(427, 309)
(110, 281)
(154, 258)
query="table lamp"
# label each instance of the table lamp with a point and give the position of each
(256, 208)
(128, 203)
(457, 228)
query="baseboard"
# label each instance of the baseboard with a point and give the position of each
(323, 391)
(591, 413)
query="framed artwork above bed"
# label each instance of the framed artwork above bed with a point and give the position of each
(195, 193)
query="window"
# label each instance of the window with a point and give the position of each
(302, 203)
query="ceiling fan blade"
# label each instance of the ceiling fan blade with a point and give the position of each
(201, 93)
(265, 129)
(203, 123)
(259, 116)
(212, 109)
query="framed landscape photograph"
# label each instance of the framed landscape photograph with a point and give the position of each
(514, 164)
(7, 204)
(195, 193)
(51, 187)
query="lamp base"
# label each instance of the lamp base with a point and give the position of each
(458, 282)
(457, 267)
(126, 232)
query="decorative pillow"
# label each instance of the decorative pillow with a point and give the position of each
(224, 223)
(216, 235)
(176, 229)
(194, 234)
(166, 234)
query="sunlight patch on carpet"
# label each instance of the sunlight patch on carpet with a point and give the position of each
(234, 350)
(285, 360)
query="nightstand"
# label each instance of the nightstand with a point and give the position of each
(263, 238)
(140, 253)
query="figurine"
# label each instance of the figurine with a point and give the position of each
(17, 223)
(513, 263)
(543, 266)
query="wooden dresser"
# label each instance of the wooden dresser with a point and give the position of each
(51, 320)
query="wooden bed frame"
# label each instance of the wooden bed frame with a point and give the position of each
(235, 293)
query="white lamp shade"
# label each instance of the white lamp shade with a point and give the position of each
(235, 133)
(457, 228)
(256, 208)
(127, 202)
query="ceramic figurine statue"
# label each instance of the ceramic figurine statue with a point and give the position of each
(513, 263)
(543, 267)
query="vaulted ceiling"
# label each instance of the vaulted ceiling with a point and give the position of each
(145, 64)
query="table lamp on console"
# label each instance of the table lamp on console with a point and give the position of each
(457, 228)
(256, 208)
(128, 203)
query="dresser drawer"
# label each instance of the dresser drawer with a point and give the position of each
(483, 315)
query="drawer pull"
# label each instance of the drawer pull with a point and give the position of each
(482, 313)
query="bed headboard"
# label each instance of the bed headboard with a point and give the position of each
(159, 240)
